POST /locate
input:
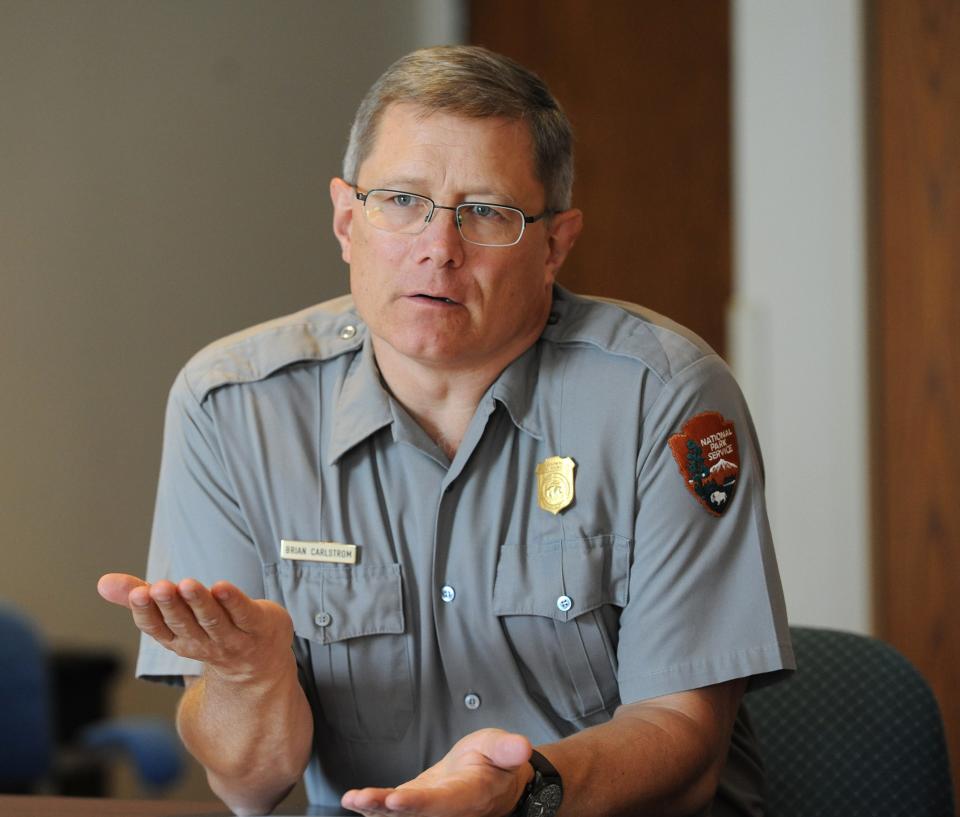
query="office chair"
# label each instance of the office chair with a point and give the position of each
(26, 747)
(856, 731)
(29, 756)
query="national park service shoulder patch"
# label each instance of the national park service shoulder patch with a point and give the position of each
(707, 454)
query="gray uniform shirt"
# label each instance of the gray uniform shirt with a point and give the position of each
(470, 605)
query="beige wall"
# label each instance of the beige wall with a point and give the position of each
(798, 321)
(163, 181)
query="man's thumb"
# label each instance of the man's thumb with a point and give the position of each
(510, 751)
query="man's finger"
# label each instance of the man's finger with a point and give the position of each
(177, 615)
(367, 801)
(116, 587)
(147, 617)
(244, 613)
(209, 613)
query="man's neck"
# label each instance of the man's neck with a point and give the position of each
(442, 400)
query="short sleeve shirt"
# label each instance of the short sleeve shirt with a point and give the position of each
(637, 562)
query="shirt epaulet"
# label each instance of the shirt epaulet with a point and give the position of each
(320, 332)
(625, 329)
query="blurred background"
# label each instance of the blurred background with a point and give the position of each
(783, 176)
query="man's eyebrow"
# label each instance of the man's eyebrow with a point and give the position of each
(408, 184)
(493, 197)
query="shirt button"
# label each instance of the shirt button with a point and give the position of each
(447, 593)
(554, 318)
(322, 619)
(348, 331)
(471, 700)
(564, 603)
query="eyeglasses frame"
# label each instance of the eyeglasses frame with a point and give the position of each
(455, 209)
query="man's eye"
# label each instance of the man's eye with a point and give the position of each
(484, 211)
(403, 200)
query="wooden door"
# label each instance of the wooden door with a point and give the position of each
(646, 85)
(914, 116)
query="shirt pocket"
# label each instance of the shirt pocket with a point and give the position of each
(350, 631)
(559, 604)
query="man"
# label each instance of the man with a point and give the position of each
(489, 515)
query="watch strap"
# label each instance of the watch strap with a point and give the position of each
(544, 792)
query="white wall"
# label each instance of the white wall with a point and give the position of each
(798, 320)
(163, 181)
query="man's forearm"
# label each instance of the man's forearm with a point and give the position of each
(253, 737)
(651, 758)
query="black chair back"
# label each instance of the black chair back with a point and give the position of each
(856, 731)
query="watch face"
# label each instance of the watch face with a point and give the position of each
(546, 801)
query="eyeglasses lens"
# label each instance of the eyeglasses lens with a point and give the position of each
(489, 225)
(397, 212)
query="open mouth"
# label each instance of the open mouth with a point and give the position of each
(437, 299)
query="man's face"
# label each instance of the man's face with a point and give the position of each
(433, 297)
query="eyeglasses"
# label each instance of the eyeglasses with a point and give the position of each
(489, 225)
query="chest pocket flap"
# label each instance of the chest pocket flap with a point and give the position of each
(331, 603)
(562, 580)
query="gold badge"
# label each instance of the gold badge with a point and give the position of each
(333, 552)
(555, 483)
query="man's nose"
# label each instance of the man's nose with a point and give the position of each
(442, 239)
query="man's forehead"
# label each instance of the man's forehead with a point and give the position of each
(415, 145)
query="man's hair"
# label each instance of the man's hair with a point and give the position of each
(471, 81)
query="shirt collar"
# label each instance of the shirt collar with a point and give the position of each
(516, 389)
(362, 406)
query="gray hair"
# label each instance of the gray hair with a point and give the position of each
(474, 82)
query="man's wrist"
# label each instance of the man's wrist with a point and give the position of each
(255, 680)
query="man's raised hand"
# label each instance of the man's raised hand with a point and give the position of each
(235, 636)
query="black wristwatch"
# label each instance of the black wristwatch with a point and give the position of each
(543, 794)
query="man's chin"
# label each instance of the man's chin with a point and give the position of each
(434, 351)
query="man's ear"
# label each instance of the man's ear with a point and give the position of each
(342, 196)
(564, 229)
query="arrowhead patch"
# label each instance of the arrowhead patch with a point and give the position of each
(708, 457)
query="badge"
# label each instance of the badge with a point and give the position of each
(709, 460)
(555, 483)
(333, 552)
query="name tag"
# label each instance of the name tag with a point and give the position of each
(318, 551)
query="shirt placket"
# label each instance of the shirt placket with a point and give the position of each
(480, 672)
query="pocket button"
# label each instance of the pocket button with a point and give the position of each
(564, 603)
(322, 619)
